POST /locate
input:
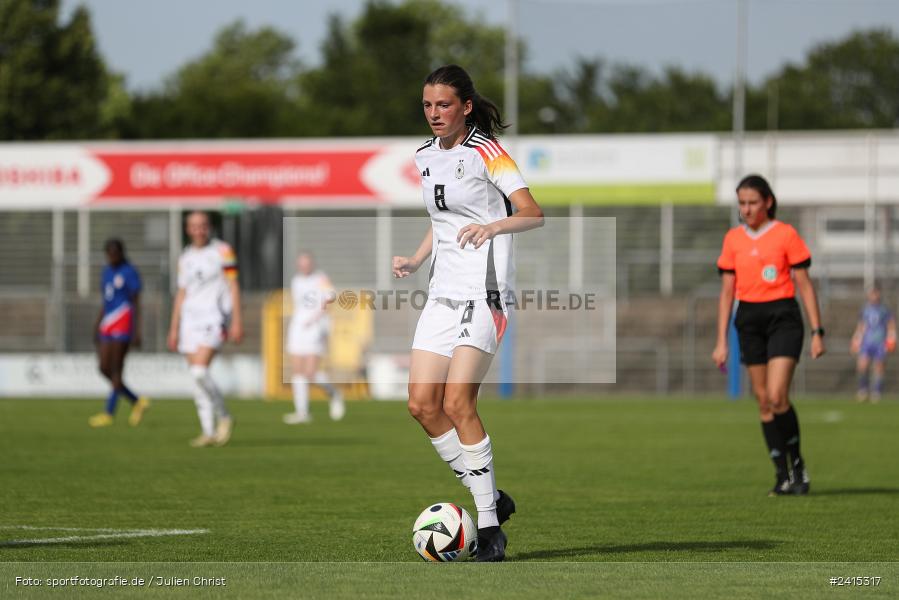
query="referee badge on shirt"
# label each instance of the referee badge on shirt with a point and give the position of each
(460, 170)
(769, 273)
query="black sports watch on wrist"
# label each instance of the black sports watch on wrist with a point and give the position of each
(818, 331)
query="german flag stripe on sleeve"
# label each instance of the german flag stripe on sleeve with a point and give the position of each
(229, 261)
(494, 155)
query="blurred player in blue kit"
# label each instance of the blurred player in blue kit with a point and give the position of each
(117, 328)
(874, 336)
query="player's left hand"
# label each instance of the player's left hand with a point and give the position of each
(404, 266)
(235, 332)
(136, 340)
(817, 348)
(475, 233)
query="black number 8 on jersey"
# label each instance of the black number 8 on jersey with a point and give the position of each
(440, 196)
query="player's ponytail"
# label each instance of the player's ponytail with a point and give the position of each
(761, 185)
(484, 114)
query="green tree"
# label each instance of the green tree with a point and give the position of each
(117, 109)
(852, 83)
(53, 82)
(244, 86)
(583, 106)
(371, 76)
(597, 98)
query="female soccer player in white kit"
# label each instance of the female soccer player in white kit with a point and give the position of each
(307, 339)
(470, 185)
(205, 313)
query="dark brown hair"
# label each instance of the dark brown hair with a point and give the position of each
(484, 113)
(761, 185)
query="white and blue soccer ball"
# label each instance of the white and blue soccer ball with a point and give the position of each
(445, 532)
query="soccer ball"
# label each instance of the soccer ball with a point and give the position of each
(444, 532)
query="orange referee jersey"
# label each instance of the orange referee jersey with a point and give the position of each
(762, 260)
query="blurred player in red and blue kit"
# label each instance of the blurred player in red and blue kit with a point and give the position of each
(118, 327)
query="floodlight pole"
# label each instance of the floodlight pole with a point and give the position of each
(734, 383)
(510, 99)
(510, 105)
(870, 268)
(739, 105)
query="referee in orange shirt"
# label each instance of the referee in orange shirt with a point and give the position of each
(756, 263)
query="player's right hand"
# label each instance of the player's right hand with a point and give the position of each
(172, 341)
(719, 355)
(856, 346)
(817, 348)
(403, 266)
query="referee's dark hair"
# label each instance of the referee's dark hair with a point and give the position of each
(761, 185)
(484, 113)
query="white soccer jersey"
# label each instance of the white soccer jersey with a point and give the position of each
(309, 294)
(469, 183)
(203, 274)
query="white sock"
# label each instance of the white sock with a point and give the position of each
(205, 408)
(322, 380)
(478, 460)
(300, 394)
(218, 400)
(447, 446)
(201, 375)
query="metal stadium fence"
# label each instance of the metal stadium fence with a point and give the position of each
(664, 278)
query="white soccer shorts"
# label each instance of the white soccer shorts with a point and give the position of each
(305, 339)
(194, 335)
(445, 324)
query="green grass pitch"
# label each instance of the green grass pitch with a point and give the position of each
(616, 497)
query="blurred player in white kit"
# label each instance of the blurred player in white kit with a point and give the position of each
(206, 312)
(307, 339)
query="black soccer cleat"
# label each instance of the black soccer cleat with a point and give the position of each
(801, 482)
(505, 507)
(783, 487)
(491, 545)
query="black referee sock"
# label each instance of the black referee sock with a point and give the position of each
(777, 448)
(788, 424)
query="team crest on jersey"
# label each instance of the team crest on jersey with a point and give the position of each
(460, 170)
(769, 273)
(118, 281)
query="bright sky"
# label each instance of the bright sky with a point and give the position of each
(150, 40)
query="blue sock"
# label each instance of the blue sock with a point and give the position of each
(132, 397)
(111, 401)
(863, 382)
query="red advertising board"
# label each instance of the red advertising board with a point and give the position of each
(265, 175)
(42, 175)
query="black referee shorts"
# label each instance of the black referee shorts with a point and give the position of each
(769, 329)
